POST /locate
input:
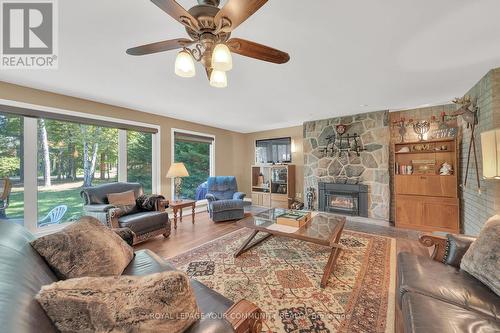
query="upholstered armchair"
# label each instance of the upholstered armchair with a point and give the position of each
(144, 223)
(224, 201)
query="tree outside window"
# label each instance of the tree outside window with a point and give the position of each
(194, 151)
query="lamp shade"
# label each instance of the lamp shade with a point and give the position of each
(221, 58)
(490, 146)
(184, 64)
(218, 79)
(177, 170)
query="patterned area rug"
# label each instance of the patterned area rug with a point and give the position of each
(282, 277)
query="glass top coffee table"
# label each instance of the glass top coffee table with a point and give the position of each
(323, 229)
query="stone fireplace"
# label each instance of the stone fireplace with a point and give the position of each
(350, 199)
(370, 167)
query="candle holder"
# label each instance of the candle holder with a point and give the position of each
(421, 128)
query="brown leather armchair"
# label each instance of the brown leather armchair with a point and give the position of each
(145, 224)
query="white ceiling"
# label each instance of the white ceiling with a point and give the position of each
(386, 54)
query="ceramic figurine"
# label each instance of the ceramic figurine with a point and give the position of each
(446, 169)
(310, 198)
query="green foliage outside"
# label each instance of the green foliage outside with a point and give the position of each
(9, 166)
(47, 200)
(140, 159)
(196, 158)
(10, 147)
(69, 144)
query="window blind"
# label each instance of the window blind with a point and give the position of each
(32, 113)
(193, 138)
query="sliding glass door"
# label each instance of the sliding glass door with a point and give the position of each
(72, 156)
(47, 161)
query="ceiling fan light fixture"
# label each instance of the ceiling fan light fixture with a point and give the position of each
(221, 58)
(184, 64)
(218, 79)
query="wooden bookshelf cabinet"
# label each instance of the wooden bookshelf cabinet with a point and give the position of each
(273, 185)
(426, 200)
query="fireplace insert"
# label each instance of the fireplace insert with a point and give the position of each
(343, 198)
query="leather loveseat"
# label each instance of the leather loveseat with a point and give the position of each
(23, 272)
(145, 224)
(436, 296)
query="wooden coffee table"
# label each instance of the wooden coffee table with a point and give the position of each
(323, 229)
(177, 207)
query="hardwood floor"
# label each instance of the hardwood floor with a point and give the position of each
(188, 235)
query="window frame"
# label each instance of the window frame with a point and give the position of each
(172, 156)
(31, 151)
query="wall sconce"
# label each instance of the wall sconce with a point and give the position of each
(292, 147)
(490, 145)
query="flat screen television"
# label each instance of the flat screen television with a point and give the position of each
(273, 151)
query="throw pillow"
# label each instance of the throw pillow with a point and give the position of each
(161, 302)
(124, 200)
(84, 248)
(482, 259)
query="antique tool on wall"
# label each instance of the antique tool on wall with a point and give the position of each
(342, 143)
(469, 113)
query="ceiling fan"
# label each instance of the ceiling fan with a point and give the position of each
(210, 29)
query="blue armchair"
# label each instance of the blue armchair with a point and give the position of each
(224, 201)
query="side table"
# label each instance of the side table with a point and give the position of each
(177, 207)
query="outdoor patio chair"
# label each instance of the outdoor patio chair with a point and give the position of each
(54, 216)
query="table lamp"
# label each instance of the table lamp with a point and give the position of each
(177, 171)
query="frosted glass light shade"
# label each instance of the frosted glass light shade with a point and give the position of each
(218, 79)
(184, 65)
(490, 146)
(221, 58)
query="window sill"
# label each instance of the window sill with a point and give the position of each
(51, 229)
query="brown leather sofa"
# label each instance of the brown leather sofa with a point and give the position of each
(23, 272)
(436, 296)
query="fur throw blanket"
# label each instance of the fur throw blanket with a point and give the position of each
(149, 202)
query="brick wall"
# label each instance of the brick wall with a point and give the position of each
(478, 205)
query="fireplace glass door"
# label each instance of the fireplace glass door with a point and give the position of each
(342, 202)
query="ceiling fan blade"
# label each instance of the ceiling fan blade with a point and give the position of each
(172, 8)
(165, 45)
(236, 11)
(257, 51)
